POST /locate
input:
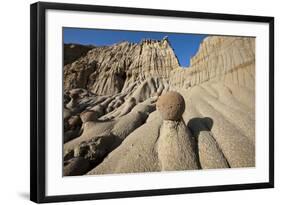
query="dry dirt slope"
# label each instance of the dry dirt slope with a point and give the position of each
(112, 125)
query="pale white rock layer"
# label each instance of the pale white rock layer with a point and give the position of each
(224, 59)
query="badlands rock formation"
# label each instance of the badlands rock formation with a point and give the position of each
(111, 124)
(175, 144)
(113, 69)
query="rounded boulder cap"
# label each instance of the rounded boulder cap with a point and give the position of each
(171, 106)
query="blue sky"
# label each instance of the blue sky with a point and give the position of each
(184, 45)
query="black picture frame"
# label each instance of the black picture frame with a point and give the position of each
(38, 101)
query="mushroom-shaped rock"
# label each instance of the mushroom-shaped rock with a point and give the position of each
(171, 106)
(89, 115)
(175, 146)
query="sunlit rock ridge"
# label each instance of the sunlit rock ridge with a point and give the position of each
(111, 124)
(111, 69)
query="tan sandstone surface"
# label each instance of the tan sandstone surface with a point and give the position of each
(111, 119)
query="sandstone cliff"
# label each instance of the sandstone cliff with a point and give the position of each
(228, 59)
(107, 70)
(117, 87)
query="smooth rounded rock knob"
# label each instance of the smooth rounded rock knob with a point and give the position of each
(171, 106)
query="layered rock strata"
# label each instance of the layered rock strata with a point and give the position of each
(112, 69)
(110, 115)
(225, 59)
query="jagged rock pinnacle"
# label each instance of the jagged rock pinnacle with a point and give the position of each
(108, 70)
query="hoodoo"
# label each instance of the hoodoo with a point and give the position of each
(175, 145)
(133, 108)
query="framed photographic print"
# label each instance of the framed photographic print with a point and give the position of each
(129, 102)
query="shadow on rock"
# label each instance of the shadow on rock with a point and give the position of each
(197, 124)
